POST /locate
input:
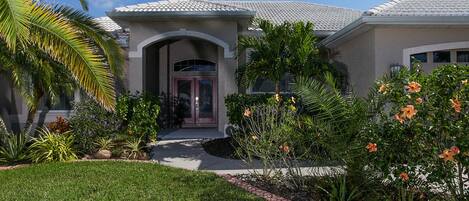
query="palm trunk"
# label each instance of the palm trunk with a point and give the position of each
(277, 87)
(33, 109)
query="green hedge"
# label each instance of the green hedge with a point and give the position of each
(237, 103)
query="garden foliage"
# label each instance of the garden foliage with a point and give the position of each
(51, 146)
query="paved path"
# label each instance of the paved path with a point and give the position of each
(189, 154)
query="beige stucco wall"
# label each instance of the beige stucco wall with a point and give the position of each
(357, 55)
(369, 55)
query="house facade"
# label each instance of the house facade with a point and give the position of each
(188, 48)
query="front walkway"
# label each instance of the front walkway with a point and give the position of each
(189, 154)
(190, 133)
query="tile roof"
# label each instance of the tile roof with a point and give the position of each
(421, 8)
(107, 24)
(325, 18)
(179, 6)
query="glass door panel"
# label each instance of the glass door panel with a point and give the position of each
(205, 100)
(184, 88)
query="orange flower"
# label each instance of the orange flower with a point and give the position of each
(447, 155)
(409, 111)
(399, 118)
(419, 100)
(383, 88)
(247, 112)
(285, 148)
(413, 87)
(404, 176)
(456, 104)
(455, 150)
(372, 147)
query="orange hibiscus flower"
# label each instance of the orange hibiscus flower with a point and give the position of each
(399, 118)
(419, 100)
(447, 155)
(383, 88)
(372, 147)
(456, 104)
(413, 87)
(409, 111)
(404, 176)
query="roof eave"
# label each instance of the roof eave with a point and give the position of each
(393, 20)
(242, 14)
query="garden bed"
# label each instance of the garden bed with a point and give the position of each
(223, 148)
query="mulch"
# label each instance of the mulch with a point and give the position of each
(252, 189)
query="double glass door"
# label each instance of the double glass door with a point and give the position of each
(198, 96)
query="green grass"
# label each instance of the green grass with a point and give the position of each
(95, 180)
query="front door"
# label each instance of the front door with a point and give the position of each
(198, 95)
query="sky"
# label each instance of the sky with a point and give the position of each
(97, 8)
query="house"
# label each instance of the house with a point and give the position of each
(187, 48)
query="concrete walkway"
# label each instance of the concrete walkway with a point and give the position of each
(189, 154)
(190, 133)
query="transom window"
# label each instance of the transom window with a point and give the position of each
(196, 65)
(422, 57)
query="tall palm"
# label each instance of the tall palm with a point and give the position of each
(67, 37)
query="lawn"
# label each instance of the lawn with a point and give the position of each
(114, 181)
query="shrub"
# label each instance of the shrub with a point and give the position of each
(140, 115)
(134, 149)
(89, 122)
(237, 103)
(50, 146)
(60, 125)
(172, 111)
(417, 136)
(104, 143)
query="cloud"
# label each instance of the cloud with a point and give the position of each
(106, 4)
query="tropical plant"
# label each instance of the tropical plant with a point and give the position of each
(14, 148)
(340, 190)
(281, 49)
(90, 122)
(134, 149)
(60, 125)
(50, 146)
(43, 46)
(104, 143)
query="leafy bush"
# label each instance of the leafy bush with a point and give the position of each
(104, 143)
(417, 137)
(134, 149)
(140, 115)
(237, 103)
(60, 125)
(172, 111)
(50, 146)
(89, 122)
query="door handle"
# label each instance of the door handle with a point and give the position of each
(197, 103)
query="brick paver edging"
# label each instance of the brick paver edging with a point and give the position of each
(12, 167)
(252, 189)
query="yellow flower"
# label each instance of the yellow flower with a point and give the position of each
(464, 82)
(247, 112)
(419, 100)
(254, 137)
(292, 108)
(456, 104)
(409, 111)
(372, 147)
(277, 97)
(413, 87)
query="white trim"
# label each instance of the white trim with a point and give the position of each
(181, 32)
(431, 48)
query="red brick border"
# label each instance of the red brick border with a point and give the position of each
(252, 189)
(12, 167)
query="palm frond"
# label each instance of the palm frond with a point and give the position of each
(57, 37)
(84, 4)
(14, 21)
(101, 38)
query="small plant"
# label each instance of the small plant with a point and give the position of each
(60, 125)
(13, 148)
(104, 143)
(338, 190)
(52, 146)
(134, 149)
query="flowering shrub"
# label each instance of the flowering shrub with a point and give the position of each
(418, 133)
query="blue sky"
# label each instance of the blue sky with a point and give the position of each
(99, 7)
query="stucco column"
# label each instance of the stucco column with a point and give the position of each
(135, 74)
(226, 85)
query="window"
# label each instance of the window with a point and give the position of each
(194, 65)
(63, 102)
(442, 57)
(422, 57)
(266, 86)
(463, 56)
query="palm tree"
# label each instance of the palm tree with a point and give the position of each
(68, 38)
(281, 49)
